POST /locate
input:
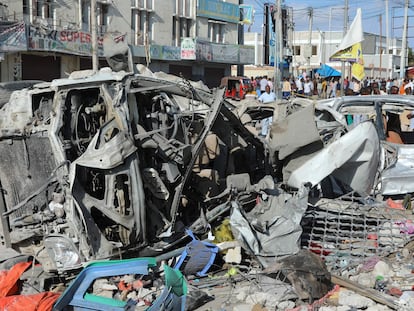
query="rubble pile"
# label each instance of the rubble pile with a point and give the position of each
(143, 191)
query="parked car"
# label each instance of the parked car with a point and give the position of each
(236, 87)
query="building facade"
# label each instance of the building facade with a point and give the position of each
(309, 51)
(47, 39)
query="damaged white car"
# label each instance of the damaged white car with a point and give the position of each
(348, 144)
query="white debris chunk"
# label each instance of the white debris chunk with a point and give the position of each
(349, 298)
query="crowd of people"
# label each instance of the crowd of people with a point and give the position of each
(323, 88)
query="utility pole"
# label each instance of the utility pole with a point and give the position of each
(280, 43)
(380, 56)
(240, 68)
(278, 49)
(404, 42)
(387, 33)
(266, 34)
(345, 30)
(310, 37)
(94, 37)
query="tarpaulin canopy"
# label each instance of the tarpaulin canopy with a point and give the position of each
(327, 71)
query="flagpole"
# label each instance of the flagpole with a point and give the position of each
(345, 30)
(404, 42)
(278, 50)
(387, 33)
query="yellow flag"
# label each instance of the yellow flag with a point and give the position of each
(347, 49)
(357, 69)
(350, 54)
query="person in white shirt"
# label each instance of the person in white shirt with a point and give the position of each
(266, 97)
(308, 87)
(299, 85)
(263, 84)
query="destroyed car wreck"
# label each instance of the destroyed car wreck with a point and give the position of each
(94, 165)
(115, 165)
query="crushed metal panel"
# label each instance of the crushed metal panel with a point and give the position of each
(108, 148)
(272, 228)
(353, 159)
(297, 130)
(398, 177)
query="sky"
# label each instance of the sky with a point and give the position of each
(329, 15)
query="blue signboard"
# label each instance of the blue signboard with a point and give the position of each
(219, 10)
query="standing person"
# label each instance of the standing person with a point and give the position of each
(270, 83)
(356, 87)
(316, 86)
(338, 88)
(286, 88)
(263, 84)
(267, 97)
(258, 93)
(388, 86)
(332, 84)
(346, 84)
(324, 89)
(254, 84)
(299, 85)
(402, 86)
(308, 87)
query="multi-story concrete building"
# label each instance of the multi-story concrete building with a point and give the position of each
(378, 62)
(309, 51)
(46, 39)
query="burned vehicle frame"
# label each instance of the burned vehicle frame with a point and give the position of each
(106, 164)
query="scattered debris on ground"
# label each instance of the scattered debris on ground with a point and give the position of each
(143, 191)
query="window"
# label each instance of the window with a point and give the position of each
(296, 50)
(102, 17)
(38, 8)
(43, 8)
(314, 50)
(142, 4)
(216, 31)
(26, 8)
(183, 20)
(86, 15)
(181, 28)
(142, 11)
(184, 8)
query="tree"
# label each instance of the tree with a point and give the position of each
(410, 57)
